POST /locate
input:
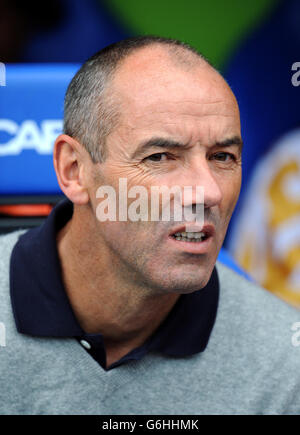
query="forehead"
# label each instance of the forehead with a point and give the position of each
(156, 92)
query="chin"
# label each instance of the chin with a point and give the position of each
(186, 280)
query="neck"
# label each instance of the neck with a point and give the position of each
(125, 313)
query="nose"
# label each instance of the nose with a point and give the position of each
(201, 178)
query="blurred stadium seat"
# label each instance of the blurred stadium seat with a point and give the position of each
(266, 237)
(31, 112)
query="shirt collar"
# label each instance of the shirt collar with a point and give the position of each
(41, 306)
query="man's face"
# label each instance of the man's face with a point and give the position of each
(178, 127)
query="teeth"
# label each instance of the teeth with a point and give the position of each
(189, 237)
(199, 235)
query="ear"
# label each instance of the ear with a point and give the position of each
(68, 164)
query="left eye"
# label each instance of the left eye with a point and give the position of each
(223, 157)
(157, 157)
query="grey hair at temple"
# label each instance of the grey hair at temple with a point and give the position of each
(91, 111)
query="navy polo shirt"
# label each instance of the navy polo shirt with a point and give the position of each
(41, 307)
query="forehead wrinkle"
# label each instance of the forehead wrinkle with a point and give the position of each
(152, 114)
(192, 108)
(175, 129)
(130, 125)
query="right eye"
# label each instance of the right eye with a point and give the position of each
(157, 157)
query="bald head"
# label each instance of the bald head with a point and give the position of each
(93, 102)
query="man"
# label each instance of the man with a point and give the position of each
(133, 316)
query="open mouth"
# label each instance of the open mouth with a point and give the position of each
(184, 233)
(193, 237)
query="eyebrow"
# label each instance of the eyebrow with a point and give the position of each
(159, 142)
(236, 140)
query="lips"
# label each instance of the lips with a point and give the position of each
(192, 246)
(208, 230)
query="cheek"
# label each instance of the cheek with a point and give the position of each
(118, 238)
(132, 247)
(230, 192)
(128, 236)
(135, 174)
